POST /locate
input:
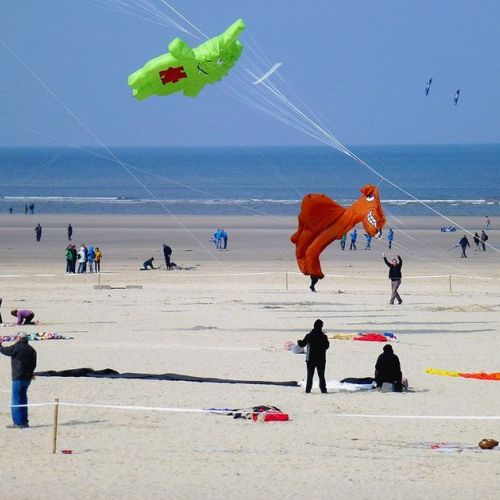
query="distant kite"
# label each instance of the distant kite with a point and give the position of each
(186, 69)
(428, 86)
(457, 95)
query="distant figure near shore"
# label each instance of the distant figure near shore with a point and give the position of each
(24, 316)
(11, 210)
(390, 238)
(477, 240)
(464, 243)
(354, 237)
(70, 231)
(487, 223)
(32, 209)
(38, 232)
(167, 252)
(484, 239)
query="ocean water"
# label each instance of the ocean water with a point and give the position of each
(455, 180)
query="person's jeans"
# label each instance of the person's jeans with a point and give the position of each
(20, 397)
(97, 266)
(82, 267)
(69, 266)
(395, 295)
(321, 374)
(91, 264)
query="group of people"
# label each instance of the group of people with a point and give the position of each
(219, 239)
(368, 238)
(479, 241)
(85, 256)
(387, 367)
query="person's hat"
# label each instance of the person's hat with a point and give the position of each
(22, 335)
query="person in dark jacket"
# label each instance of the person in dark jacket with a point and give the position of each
(476, 241)
(23, 362)
(388, 369)
(464, 243)
(167, 252)
(395, 277)
(70, 231)
(148, 264)
(38, 232)
(317, 345)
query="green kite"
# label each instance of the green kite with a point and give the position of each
(186, 69)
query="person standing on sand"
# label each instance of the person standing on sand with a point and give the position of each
(82, 260)
(484, 239)
(390, 238)
(68, 254)
(464, 243)
(11, 210)
(224, 238)
(74, 258)
(487, 223)
(23, 364)
(97, 260)
(342, 241)
(317, 344)
(354, 237)
(90, 258)
(395, 277)
(368, 242)
(70, 231)
(38, 232)
(167, 252)
(25, 209)
(476, 241)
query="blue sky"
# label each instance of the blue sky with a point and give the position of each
(360, 66)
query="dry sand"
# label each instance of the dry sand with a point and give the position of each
(205, 323)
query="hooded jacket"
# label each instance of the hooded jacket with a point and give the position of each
(23, 359)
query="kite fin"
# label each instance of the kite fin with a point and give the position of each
(180, 49)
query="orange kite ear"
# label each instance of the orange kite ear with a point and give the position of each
(368, 190)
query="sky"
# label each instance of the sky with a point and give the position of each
(358, 66)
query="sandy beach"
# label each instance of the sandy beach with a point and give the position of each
(223, 319)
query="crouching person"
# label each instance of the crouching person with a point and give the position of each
(388, 369)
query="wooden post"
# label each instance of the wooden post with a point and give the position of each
(450, 282)
(54, 433)
(286, 280)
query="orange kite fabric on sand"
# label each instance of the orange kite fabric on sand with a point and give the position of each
(322, 220)
(480, 375)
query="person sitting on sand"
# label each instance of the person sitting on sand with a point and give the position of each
(388, 369)
(317, 344)
(24, 316)
(148, 264)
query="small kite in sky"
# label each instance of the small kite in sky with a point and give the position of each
(186, 69)
(428, 86)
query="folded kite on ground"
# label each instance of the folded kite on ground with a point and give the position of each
(480, 375)
(36, 336)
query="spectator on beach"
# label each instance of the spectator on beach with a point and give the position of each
(224, 238)
(388, 369)
(354, 237)
(11, 210)
(70, 231)
(68, 254)
(24, 316)
(90, 258)
(216, 238)
(342, 241)
(82, 259)
(148, 264)
(487, 223)
(317, 344)
(32, 209)
(167, 252)
(23, 364)
(477, 240)
(390, 238)
(464, 243)
(484, 239)
(395, 277)
(38, 232)
(25, 209)
(74, 258)
(368, 242)
(97, 260)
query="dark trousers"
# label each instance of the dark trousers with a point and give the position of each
(320, 367)
(353, 245)
(167, 262)
(463, 251)
(69, 265)
(20, 397)
(97, 266)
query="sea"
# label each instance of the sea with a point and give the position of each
(451, 179)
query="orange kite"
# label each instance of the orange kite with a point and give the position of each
(322, 220)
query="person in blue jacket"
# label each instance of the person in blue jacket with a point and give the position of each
(90, 258)
(354, 237)
(390, 237)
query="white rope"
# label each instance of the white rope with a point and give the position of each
(420, 417)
